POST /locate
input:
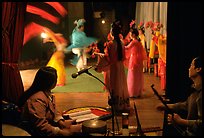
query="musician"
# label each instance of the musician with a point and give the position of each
(39, 114)
(193, 104)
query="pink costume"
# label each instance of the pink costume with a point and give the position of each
(135, 54)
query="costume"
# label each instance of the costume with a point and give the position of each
(135, 55)
(162, 60)
(106, 73)
(40, 111)
(57, 59)
(79, 44)
(118, 82)
(114, 76)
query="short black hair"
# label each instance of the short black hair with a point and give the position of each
(198, 63)
(45, 79)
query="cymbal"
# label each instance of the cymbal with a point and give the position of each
(94, 126)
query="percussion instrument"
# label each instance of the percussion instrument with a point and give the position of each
(10, 130)
(83, 113)
(94, 126)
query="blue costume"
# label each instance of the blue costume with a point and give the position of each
(79, 41)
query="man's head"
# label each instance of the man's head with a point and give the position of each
(195, 68)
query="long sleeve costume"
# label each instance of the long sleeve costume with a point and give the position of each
(135, 55)
(79, 41)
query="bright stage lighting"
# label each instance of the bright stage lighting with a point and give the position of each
(103, 21)
(43, 35)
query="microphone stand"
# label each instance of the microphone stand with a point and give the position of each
(110, 102)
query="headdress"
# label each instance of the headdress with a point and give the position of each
(157, 26)
(79, 22)
(141, 26)
(149, 24)
(133, 24)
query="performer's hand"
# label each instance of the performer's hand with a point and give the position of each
(67, 123)
(76, 128)
(101, 54)
(120, 36)
(160, 107)
(177, 119)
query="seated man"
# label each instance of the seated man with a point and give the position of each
(193, 104)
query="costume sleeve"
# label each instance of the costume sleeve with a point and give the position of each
(103, 63)
(152, 49)
(162, 48)
(135, 54)
(127, 39)
(80, 40)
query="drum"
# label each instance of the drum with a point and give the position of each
(81, 114)
(94, 127)
(10, 130)
(93, 119)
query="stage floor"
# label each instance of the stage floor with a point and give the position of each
(148, 115)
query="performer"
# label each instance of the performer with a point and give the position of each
(142, 37)
(118, 82)
(135, 55)
(57, 59)
(154, 41)
(79, 45)
(101, 56)
(128, 39)
(162, 41)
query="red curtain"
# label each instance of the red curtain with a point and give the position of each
(13, 14)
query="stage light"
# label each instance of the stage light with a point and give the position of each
(43, 35)
(103, 21)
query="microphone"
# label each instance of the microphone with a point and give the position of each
(74, 75)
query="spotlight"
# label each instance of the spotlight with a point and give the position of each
(43, 35)
(103, 21)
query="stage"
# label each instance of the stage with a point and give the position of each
(78, 93)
